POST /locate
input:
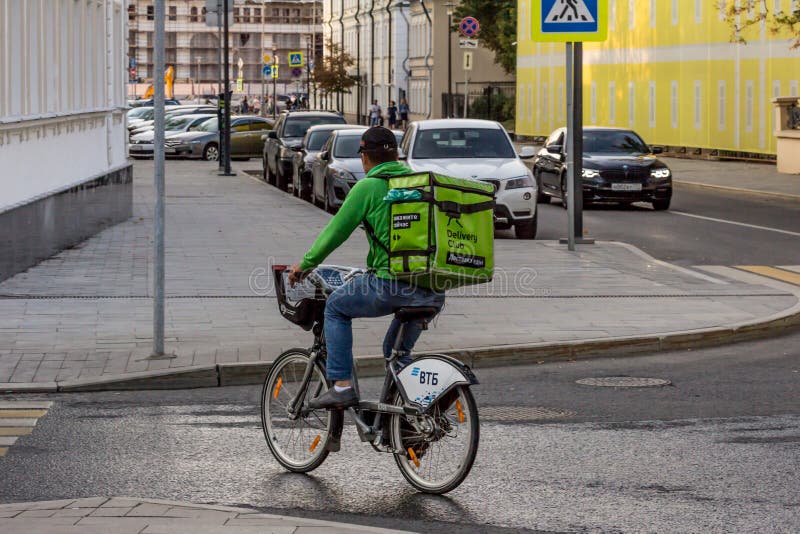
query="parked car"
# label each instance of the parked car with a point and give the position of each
(315, 138)
(171, 111)
(139, 114)
(618, 167)
(286, 138)
(478, 150)
(338, 167)
(149, 102)
(141, 145)
(247, 142)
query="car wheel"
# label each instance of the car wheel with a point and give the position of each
(211, 152)
(526, 229)
(541, 196)
(661, 205)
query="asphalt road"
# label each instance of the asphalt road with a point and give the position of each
(718, 450)
(679, 236)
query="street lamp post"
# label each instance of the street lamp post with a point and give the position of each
(274, 80)
(449, 6)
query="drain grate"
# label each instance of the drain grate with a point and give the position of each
(521, 413)
(624, 382)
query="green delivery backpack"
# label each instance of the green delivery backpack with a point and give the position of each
(441, 233)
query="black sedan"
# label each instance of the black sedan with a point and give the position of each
(618, 167)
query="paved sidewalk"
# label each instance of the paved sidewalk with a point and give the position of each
(85, 315)
(744, 177)
(122, 515)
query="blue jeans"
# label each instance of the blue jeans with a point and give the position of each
(370, 296)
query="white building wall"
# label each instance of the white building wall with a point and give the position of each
(62, 94)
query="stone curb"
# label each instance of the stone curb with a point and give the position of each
(242, 513)
(739, 190)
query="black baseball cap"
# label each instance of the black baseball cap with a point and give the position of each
(378, 139)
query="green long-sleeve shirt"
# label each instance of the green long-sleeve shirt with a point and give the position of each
(364, 202)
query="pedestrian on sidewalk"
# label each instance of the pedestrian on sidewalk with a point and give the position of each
(392, 109)
(245, 105)
(375, 114)
(404, 111)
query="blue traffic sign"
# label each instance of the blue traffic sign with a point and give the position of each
(570, 20)
(469, 26)
(296, 59)
(267, 70)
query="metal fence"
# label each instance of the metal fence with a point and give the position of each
(488, 100)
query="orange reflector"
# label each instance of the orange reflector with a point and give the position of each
(413, 456)
(460, 411)
(314, 443)
(278, 387)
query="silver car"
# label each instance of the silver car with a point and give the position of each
(478, 150)
(141, 145)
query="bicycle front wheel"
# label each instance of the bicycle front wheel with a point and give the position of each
(438, 449)
(299, 442)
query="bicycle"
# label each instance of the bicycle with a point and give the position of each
(425, 415)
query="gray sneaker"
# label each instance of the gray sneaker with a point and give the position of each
(334, 399)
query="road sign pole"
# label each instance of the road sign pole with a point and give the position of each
(227, 95)
(158, 162)
(570, 148)
(466, 95)
(577, 116)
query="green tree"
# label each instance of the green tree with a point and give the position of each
(331, 76)
(742, 15)
(498, 28)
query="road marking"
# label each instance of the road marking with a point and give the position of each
(13, 413)
(772, 272)
(15, 430)
(747, 277)
(725, 221)
(17, 422)
(17, 418)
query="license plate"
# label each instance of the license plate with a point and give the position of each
(626, 187)
(170, 151)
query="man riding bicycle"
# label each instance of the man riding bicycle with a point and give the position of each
(376, 293)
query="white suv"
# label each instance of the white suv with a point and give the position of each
(479, 150)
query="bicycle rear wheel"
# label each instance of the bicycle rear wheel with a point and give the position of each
(300, 444)
(438, 449)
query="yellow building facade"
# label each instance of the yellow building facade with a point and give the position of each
(669, 71)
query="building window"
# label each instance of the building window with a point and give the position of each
(612, 14)
(236, 16)
(793, 88)
(529, 107)
(131, 12)
(652, 13)
(560, 101)
(150, 13)
(674, 103)
(776, 88)
(778, 8)
(173, 13)
(722, 106)
(631, 14)
(246, 14)
(193, 15)
(593, 103)
(675, 12)
(612, 103)
(545, 102)
(257, 14)
(698, 104)
(652, 104)
(631, 103)
(748, 106)
(698, 11)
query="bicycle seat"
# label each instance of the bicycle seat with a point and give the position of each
(415, 313)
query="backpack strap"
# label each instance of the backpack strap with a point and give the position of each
(371, 233)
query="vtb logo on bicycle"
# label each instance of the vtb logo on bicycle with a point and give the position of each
(426, 377)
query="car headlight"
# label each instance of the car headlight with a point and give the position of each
(589, 173)
(343, 175)
(660, 174)
(519, 183)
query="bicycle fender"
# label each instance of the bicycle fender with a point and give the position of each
(428, 377)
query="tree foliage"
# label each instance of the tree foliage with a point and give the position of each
(498, 27)
(742, 15)
(331, 76)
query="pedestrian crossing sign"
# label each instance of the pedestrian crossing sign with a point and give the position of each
(296, 59)
(569, 20)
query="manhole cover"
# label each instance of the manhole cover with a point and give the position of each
(520, 413)
(624, 382)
